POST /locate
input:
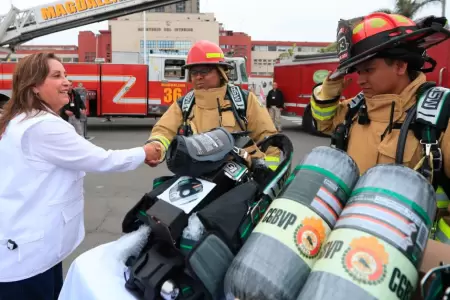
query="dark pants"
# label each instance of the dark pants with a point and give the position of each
(45, 286)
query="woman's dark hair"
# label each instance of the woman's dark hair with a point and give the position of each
(30, 71)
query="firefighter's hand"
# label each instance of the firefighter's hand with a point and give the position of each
(346, 82)
(152, 154)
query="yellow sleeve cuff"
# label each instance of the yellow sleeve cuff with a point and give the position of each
(163, 149)
(323, 113)
(328, 90)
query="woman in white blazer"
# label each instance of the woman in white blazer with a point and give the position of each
(42, 165)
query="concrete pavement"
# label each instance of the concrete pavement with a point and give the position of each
(109, 196)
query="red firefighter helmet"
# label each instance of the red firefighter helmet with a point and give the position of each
(206, 53)
(363, 38)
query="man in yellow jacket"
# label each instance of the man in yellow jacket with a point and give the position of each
(376, 127)
(214, 103)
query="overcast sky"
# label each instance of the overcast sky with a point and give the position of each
(282, 20)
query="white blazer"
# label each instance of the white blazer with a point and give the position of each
(42, 165)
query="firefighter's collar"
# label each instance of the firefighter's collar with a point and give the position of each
(207, 99)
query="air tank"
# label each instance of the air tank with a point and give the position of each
(376, 246)
(280, 252)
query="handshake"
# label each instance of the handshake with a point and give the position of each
(153, 154)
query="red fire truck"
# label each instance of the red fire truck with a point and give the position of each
(129, 90)
(112, 89)
(297, 77)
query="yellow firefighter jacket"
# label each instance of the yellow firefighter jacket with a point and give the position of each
(365, 145)
(205, 116)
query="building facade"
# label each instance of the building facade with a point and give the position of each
(94, 46)
(90, 46)
(189, 6)
(67, 53)
(165, 33)
(171, 29)
(262, 55)
(236, 44)
(266, 53)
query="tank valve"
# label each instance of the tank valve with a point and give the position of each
(169, 290)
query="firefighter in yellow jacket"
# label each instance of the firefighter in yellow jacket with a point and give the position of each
(213, 103)
(398, 117)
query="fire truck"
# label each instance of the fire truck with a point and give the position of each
(109, 89)
(297, 77)
(129, 90)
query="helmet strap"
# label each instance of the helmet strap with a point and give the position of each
(432, 62)
(223, 73)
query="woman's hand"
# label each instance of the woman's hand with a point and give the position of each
(152, 154)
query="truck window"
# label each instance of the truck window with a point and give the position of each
(233, 73)
(172, 69)
(243, 72)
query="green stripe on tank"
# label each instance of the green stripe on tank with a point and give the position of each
(328, 174)
(416, 208)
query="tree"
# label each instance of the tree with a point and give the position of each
(289, 53)
(229, 53)
(407, 8)
(330, 48)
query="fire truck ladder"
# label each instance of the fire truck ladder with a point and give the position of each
(20, 26)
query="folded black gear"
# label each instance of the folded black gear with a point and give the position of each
(199, 154)
(225, 214)
(209, 261)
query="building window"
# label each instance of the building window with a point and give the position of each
(89, 56)
(186, 45)
(181, 7)
(166, 47)
(160, 9)
(67, 59)
(166, 44)
(272, 48)
(260, 48)
(172, 69)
